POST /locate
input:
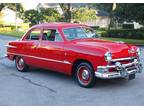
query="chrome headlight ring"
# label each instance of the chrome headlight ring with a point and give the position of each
(138, 51)
(108, 56)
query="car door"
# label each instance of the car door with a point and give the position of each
(32, 41)
(51, 50)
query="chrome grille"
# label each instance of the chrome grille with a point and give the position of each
(124, 61)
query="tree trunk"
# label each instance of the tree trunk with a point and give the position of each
(1, 6)
(110, 24)
(69, 12)
(66, 8)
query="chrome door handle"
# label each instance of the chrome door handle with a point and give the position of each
(34, 47)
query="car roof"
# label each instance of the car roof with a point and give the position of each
(58, 24)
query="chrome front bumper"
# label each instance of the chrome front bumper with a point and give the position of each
(121, 70)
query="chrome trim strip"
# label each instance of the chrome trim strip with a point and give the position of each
(123, 65)
(107, 75)
(65, 62)
(112, 75)
(121, 59)
(10, 46)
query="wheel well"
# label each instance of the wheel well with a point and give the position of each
(77, 62)
(14, 57)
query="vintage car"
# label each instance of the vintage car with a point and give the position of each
(74, 49)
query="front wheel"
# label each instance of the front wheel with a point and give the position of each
(85, 75)
(20, 64)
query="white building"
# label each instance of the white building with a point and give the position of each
(136, 25)
(9, 17)
(102, 20)
(50, 5)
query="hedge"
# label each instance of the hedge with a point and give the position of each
(133, 34)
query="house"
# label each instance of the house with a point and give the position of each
(57, 6)
(135, 24)
(103, 19)
(9, 17)
(50, 5)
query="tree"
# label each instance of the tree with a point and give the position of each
(130, 12)
(17, 7)
(108, 7)
(49, 15)
(102, 6)
(124, 11)
(66, 8)
(84, 14)
(32, 16)
(14, 6)
(43, 15)
(1, 6)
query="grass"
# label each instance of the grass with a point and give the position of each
(130, 41)
(13, 33)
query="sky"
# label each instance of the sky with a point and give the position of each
(27, 4)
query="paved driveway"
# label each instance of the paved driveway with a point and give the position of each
(43, 87)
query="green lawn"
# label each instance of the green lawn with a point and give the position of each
(130, 41)
(13, 33)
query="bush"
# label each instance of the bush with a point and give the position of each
(133, 34)
(5, 29)
(95, 27)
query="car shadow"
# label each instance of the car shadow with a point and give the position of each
(61, 78)
(100, 83)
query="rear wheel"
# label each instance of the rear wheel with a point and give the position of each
(20, 64)
(85, 75)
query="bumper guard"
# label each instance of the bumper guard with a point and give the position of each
(122, 70)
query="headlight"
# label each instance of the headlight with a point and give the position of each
(108, 56)
(138, 51)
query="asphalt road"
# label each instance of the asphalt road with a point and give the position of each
(43, 87)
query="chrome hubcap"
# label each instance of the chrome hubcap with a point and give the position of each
(85, 75)
(21, 62)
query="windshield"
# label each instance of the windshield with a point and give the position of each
(79, 33)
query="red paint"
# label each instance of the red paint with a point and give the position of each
(60, 56)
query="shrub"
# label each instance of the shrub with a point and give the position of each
(133, 34)
(5, 29)
(95, 27)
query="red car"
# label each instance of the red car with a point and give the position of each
(74, 49)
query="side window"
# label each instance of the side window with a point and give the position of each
(90, 32)
(34, 34)
(58, 37)
(69, 33)
(80, 33)
(51, 35)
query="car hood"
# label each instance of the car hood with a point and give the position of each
(118, 49)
